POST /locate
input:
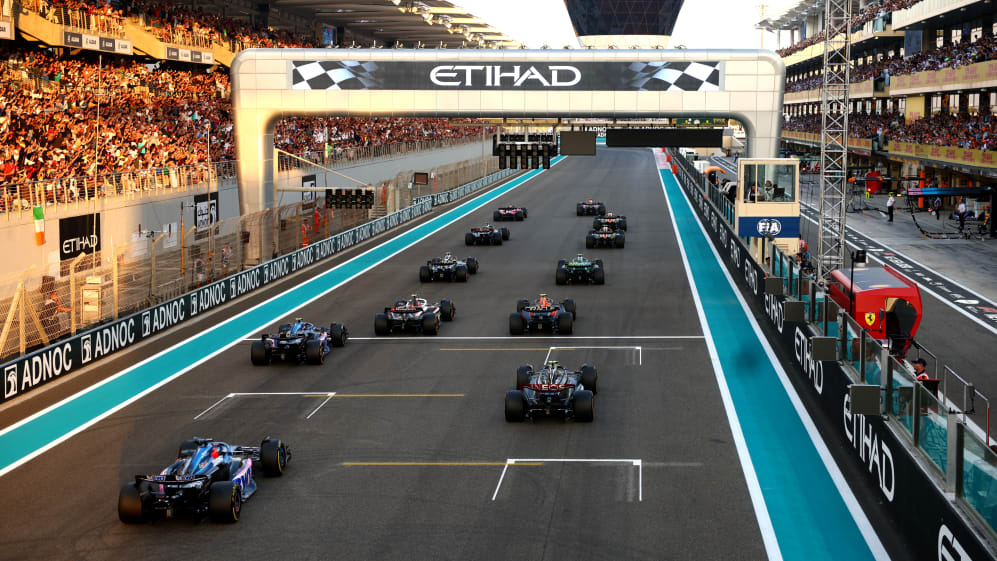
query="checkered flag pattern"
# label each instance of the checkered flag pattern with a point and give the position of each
(674, 76)
(333, 75)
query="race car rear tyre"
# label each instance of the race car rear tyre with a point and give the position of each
(521, 304)
(620, 240)
(338, 335)
(225, 501)
(425, 274)
(623, 225)
(519, 215)
(523, 376)
(259, 354)
(579, 210)
(515, 406)
(525, 214)
(496, 216)
(472, 265)
(314, 353)
(497, 238)
(599, 263)
(569, 305)
(447, 310)
(381, 325)
(430, 324)
(561, 263)
(516, 324)
(561, 275)
(131, 507)
(599, 275)
(596, 224)
(584, 406)
(589, 241)
(505, 233)
(274, 456)
(602, 210)
(565, 324)
(590, 378)
(468, 239)
(460, 275)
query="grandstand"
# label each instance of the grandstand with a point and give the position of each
(110, 106)
(922, 89)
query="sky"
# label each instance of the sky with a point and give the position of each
(702, 24)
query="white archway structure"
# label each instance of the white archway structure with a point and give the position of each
(269, 83)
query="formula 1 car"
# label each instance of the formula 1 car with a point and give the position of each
(208, 478)
(590, 207)
(553, 390)
(414, 314)
(509, 213)
(545, 314)
(486, 235)
(299, 342)
(580, 270)
(605, 237)
(448, 268)
(611, 219)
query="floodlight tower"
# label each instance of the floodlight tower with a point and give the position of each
(834, 137)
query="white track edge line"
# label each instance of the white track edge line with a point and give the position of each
(844, 489)
(73, 432)
(767, 530)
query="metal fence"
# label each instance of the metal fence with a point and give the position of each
(78, 18)
(37, 308)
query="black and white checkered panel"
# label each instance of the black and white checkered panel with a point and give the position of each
(675, 76)
(333, 75)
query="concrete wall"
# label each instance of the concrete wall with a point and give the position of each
(121, 218)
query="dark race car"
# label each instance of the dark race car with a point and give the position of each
(552, 390)
(486, 235)
(208, 478)
(611, 219)
(580, 270)
(448, 268)
(590, 207)
(509, 213)
(414, 315)
(545, 314)
(605, 237)
(298, 342)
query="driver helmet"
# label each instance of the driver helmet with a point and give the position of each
(543, 302)
(448, 256)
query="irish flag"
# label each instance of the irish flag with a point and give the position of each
(39, 215)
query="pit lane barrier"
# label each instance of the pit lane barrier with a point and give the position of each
(935, 477)
(57, 361)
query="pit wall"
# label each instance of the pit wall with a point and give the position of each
(936, 522)
(65, 357)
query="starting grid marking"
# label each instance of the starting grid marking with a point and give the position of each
(327, 395)
(640, 351)
(534, 461)
(523, 338)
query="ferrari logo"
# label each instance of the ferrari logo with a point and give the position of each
(870, 318)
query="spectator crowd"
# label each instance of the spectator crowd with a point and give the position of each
(150, 117)
(170, 22)
(976, 132)
(871, 12)
(954, 55)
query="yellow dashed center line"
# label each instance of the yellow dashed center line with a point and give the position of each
(438, 464)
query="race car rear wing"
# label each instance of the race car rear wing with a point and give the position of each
(171, 480)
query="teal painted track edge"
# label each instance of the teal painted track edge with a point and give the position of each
(808, 515)
(28, 438)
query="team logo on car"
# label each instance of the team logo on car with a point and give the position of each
(769, 226)
(870, 318)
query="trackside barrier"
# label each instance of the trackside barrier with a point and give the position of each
(56, 361)
(937, 479)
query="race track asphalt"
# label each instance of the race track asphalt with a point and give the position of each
(409, 459)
